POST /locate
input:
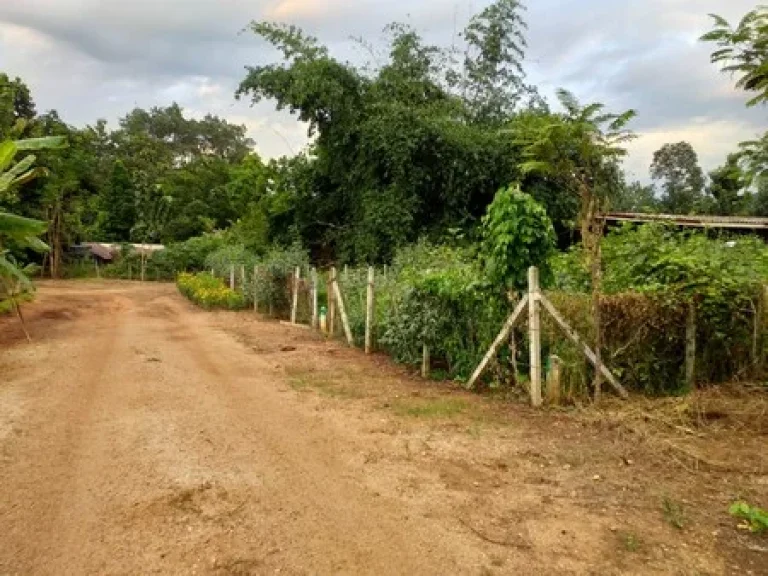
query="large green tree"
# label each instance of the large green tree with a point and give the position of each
(676, 168)
(727, 189)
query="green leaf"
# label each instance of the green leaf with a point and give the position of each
(7, 152)
(47, 143)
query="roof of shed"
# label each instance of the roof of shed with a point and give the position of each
(742, 222)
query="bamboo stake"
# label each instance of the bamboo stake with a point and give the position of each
(314, 298)
(425, 363)
(586, 350)
(255, 287)
(331, 302)
(503, 334)
(369, 312)
(231, 276)
(295, 303)
(690, 347)
(342, 312)
(534, 330)
(242, 277)
(553, 380)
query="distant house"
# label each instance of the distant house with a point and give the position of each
(746, 224)
(105, 252)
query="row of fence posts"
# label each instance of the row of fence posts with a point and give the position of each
(534, 301)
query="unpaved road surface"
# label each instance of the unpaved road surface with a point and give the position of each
(141, 435)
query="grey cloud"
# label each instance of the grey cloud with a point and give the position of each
(103, 57)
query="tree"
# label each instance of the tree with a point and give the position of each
(635, 197)
(743, 51)
(17, 232)
(682, 180)
(17, 109)
(726, 186)
(517, 234)
(493, 82)
(580, 150)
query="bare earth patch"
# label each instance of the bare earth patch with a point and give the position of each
(139, 434)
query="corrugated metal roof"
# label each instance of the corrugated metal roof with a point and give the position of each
(738, 222)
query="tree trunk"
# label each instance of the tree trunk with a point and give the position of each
(591, 237)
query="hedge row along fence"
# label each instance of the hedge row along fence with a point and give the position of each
(653, 343)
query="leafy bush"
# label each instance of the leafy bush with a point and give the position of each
(517, 234)
(662, 272)
(209, 292)
(441, 300)
(272, 286)
(224, 258)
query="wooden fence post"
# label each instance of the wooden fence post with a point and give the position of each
(342, 311)
(369, 312)
(425, 363)
(231, 276)
(295, 302)
(314, 298)
(331, 301)
(534, 328)
(553, 380)
(690, 347)
(255, 294)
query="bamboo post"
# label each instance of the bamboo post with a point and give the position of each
(295, 303)
(342, 312)
(690, 347)
(369, 312)
(255, 287)
(585, 349)
(534, 330)
(242, 277)
(508, 325)
(143, 265)
(231, 276)
(425, 363)
(331, 302)
(553, 380)
(314, 298)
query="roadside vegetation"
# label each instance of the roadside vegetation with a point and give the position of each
(446, 170)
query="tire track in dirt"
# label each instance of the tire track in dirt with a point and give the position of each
(341, 525)
(50, 443)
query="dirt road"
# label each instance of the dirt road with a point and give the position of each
(141, 435)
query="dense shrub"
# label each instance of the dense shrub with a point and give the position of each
(439, 298)
(272, 286)
(652, 275)
(209, 292)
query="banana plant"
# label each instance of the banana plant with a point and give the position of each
(17, 231)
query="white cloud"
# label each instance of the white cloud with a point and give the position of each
(100, 58)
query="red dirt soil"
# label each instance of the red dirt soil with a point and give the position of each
(141, 435)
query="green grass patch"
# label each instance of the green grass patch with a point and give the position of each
(432, 407)
(325, 388)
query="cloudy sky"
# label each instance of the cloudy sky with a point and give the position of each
(94, 59)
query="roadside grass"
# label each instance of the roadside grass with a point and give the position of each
(325, 387)
(442, 408)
